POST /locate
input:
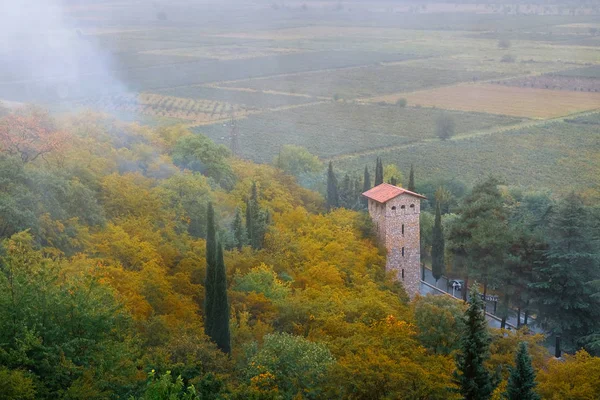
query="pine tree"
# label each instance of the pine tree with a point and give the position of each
(521, 382)
(366, 186)
(239, 233)
(471, 375)
(333, 200)
(211, 265)
(411, 179)
(564, 298)
(378, 172)
(437, 246)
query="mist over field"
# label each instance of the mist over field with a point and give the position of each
(300, 199)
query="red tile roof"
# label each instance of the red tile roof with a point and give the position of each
(385, 192)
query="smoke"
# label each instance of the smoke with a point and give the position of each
(45, 57)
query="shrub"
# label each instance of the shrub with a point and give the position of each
(401, 102)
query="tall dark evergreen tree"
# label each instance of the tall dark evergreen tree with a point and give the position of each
(220, 334)
(393, 181)
(564, 298)
(411, 179)
(437, 246)
(378, 172)
(239, 232)
(211, 265)
(366, 186)
(521, 381)
(471, 375)
(257, 220)
(333, 199)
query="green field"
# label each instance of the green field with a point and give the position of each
(340, 128)
(366, 81)
(558, 156)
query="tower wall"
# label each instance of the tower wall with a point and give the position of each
(390, 218)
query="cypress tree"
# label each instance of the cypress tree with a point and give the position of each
(239, 233)
(474, 380)
(211, 265)
(393, 181)
(521, 382)
(366, 186)
(333, 200)
(411, 179)
(220, 327)
(378, 172)
(437, 246)
(249, 221)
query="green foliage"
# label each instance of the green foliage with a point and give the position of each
(521, 382)
(440, 323)
(58, 321)
(298, 162)
(198, 153)
(262, 279)
(16, 385)
(471, 374)
(392, 173)
(164, 388)
(290, 364)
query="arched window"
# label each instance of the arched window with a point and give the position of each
(403, 207)
(403, 252)
(394, 208)
(402, 273)
(412, 206)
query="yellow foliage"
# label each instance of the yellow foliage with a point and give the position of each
(575, 378)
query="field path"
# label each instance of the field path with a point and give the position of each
(467, 135)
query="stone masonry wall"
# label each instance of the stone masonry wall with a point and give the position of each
(389, 218)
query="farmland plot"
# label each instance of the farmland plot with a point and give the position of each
(336, 128)
(197, 111)
(364, 81)
(496, 99)
(247, 98)
(555, 82)
(559, 156)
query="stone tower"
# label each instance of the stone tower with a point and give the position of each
(395, 213)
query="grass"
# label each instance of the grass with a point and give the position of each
(332, 129)
(365, 81)
(560, 156)
(496, 99)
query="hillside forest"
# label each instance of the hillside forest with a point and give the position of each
(149, 263)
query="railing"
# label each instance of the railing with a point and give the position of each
(457, 298)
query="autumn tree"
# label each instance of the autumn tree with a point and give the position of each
(30, 134)
(521, 382)
(471, 374)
